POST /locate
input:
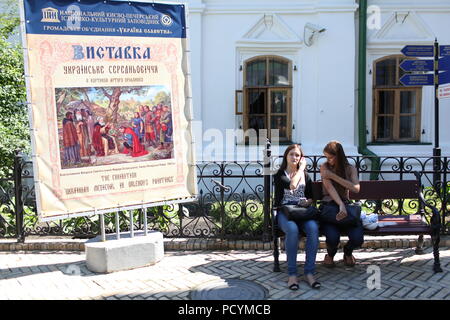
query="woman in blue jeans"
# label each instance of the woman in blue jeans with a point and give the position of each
(339, 177)
(293, 186)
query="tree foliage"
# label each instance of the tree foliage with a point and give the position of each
(14, 133)
(162, 97)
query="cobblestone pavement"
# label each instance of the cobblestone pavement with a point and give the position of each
(63, 275)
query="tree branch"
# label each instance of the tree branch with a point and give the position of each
(105, 93)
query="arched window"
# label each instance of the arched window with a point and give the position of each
(267, 95)
(396, 108)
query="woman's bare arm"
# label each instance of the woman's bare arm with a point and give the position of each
(352, 184)
(333, 194)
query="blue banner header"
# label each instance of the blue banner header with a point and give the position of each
(105, 18)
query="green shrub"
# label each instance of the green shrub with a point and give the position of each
(14, 133)
(238, 218)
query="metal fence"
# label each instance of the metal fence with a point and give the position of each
(233, 202)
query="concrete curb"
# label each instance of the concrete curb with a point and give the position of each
(175, 244)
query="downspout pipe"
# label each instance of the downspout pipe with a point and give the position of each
(362, 48)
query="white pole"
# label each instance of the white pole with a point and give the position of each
(131, 224)
(102, 226)
(144, 211)
(117, 226)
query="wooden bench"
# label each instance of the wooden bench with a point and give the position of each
(405, 224)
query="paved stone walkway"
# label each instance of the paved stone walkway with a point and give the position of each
(62, 275)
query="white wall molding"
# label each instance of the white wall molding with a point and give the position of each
(402, 27)
(440, 6)
(270, 29)
(279, 6)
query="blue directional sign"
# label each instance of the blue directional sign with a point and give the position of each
(444, 63)
(424, 79)
(418, 51)
(444, 77)
(444, 50)
(417, 65)
(417, 79)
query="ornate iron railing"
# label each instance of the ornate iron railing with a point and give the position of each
(233, 202)
(7, 209)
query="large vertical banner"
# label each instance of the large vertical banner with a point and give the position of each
(110, 105)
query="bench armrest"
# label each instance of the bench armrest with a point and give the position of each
(436, 217)
(275, 212)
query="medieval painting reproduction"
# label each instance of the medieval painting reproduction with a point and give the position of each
(110, 105)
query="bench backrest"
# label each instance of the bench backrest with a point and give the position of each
(378, 190)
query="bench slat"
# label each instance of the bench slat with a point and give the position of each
(378, 190)
(392, 231)
(405, 225)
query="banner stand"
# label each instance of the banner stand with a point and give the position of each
(119, 208)
(131, 224)
(117, 226)
(144, 212)
(92, 70)
(142, 207)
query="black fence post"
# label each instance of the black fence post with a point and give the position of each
(266, 172)
(222, 200)
(18, 202)
(180, 218)
(401, 210)
(445, 194)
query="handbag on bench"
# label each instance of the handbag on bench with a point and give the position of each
(328, 214)
(297, 213)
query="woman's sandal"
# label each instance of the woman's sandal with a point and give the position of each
(294, 286)
(314, 285)
(328, 261)
(349, 261)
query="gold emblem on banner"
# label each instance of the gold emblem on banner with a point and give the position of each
(50, 15)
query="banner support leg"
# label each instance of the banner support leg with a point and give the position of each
(117, 226)
(144, 211)
(131, 224)
(102, 226)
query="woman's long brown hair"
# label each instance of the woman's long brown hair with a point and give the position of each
(335, 149)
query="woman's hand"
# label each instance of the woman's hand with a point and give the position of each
(325, 173)
(294, 182)
(305, 202)
(342, 212)
(302, 166)
(295, 178)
